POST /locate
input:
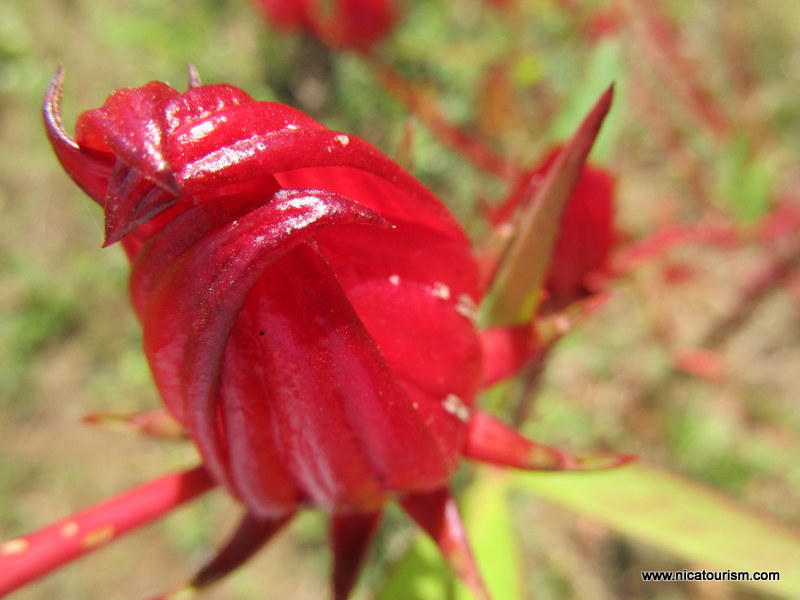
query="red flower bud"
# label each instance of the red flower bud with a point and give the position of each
(307, 309)
(582, 250)
(352, 24)
(299, 293)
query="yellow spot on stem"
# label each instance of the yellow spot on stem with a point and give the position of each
(70, 529)
(14, 547)
(98, 537)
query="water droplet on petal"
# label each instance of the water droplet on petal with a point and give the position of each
(466, 306)
(440, 290)
(456, 407)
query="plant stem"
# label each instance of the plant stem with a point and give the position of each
(659, 41)
(420, 101)
(759, 287)
(33, 556)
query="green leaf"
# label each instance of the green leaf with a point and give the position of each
(745, 181)
(678, 515)
(488, 522)
(420, 575)
(606, 67)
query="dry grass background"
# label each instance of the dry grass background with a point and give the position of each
(70, 345)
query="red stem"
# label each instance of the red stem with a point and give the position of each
(418, 100)
(659, 38)
(758, 287)
(33, 556)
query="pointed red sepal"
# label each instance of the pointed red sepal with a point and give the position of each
(157, 424)
(515, 292)
(351, 535)
(436, 512)
(132, 199)
(33, 556)
(490, 441)
(252, 534)
(90, 170)
(506, 350)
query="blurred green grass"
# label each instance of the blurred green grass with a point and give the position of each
(70, 344)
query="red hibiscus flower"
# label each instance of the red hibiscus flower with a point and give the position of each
(308, 316)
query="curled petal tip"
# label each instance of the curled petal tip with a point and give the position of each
(88, 169)
(52, 112)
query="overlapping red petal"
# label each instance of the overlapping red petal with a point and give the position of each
(302, 296)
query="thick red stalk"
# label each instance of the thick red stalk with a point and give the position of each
(33, 556)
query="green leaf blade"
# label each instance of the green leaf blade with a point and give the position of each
(488, 521)
(678, 515)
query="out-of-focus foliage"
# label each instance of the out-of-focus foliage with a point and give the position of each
(70, 345)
